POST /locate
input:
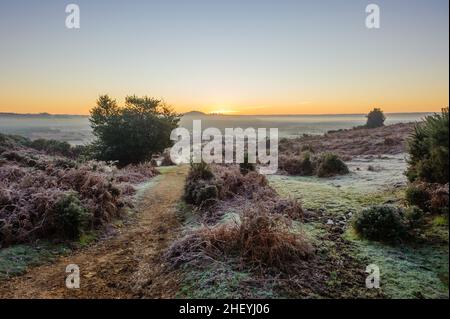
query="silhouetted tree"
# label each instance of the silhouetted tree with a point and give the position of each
(130, 134)
(375, 118)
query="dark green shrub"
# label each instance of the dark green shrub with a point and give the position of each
(417, 196)
(200, 171)
(297, 164)
(381, 223)
(428, 150)
(71, 219)
(307, 166)
(375, 118)
(200, 184)
(200, 191)
(330, 165)
(53, 147)
(131, 134)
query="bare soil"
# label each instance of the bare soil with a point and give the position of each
(128, 265)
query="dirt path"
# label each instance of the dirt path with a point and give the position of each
(126, 266)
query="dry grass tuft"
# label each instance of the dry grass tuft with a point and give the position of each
(260, 240)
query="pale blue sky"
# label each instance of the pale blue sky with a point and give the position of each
(254, 56)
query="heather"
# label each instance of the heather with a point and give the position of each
(46, 196)
(350, 143)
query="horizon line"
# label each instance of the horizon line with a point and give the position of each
(217, 114)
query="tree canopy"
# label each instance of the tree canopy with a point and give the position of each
(132, 133)
(375, 118)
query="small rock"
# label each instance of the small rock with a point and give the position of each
(330, 222)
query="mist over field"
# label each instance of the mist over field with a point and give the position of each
(75, 129)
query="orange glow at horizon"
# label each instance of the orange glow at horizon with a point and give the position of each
(57, 98)
(83, 108)
(299, 57)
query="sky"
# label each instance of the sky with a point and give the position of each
(237, 57)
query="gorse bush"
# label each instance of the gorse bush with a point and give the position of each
(302, 164)
(428, 164)
(131, 134)
(200, 171)
(386, 223)
(375, 118)
(428, 150)
(198, 192)
(418, 196)
(330, 165)
(71, 219)
(54, 147)
(381, 223)
(308, 164)
(200, 186)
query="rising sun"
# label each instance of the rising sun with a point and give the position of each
(222, 110)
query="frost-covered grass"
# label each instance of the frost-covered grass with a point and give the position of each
(222, 281)
(15, 260)
(348, 193)
(316, 194)
(419, 271)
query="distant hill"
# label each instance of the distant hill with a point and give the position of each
(39, 115)
(194, 113)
